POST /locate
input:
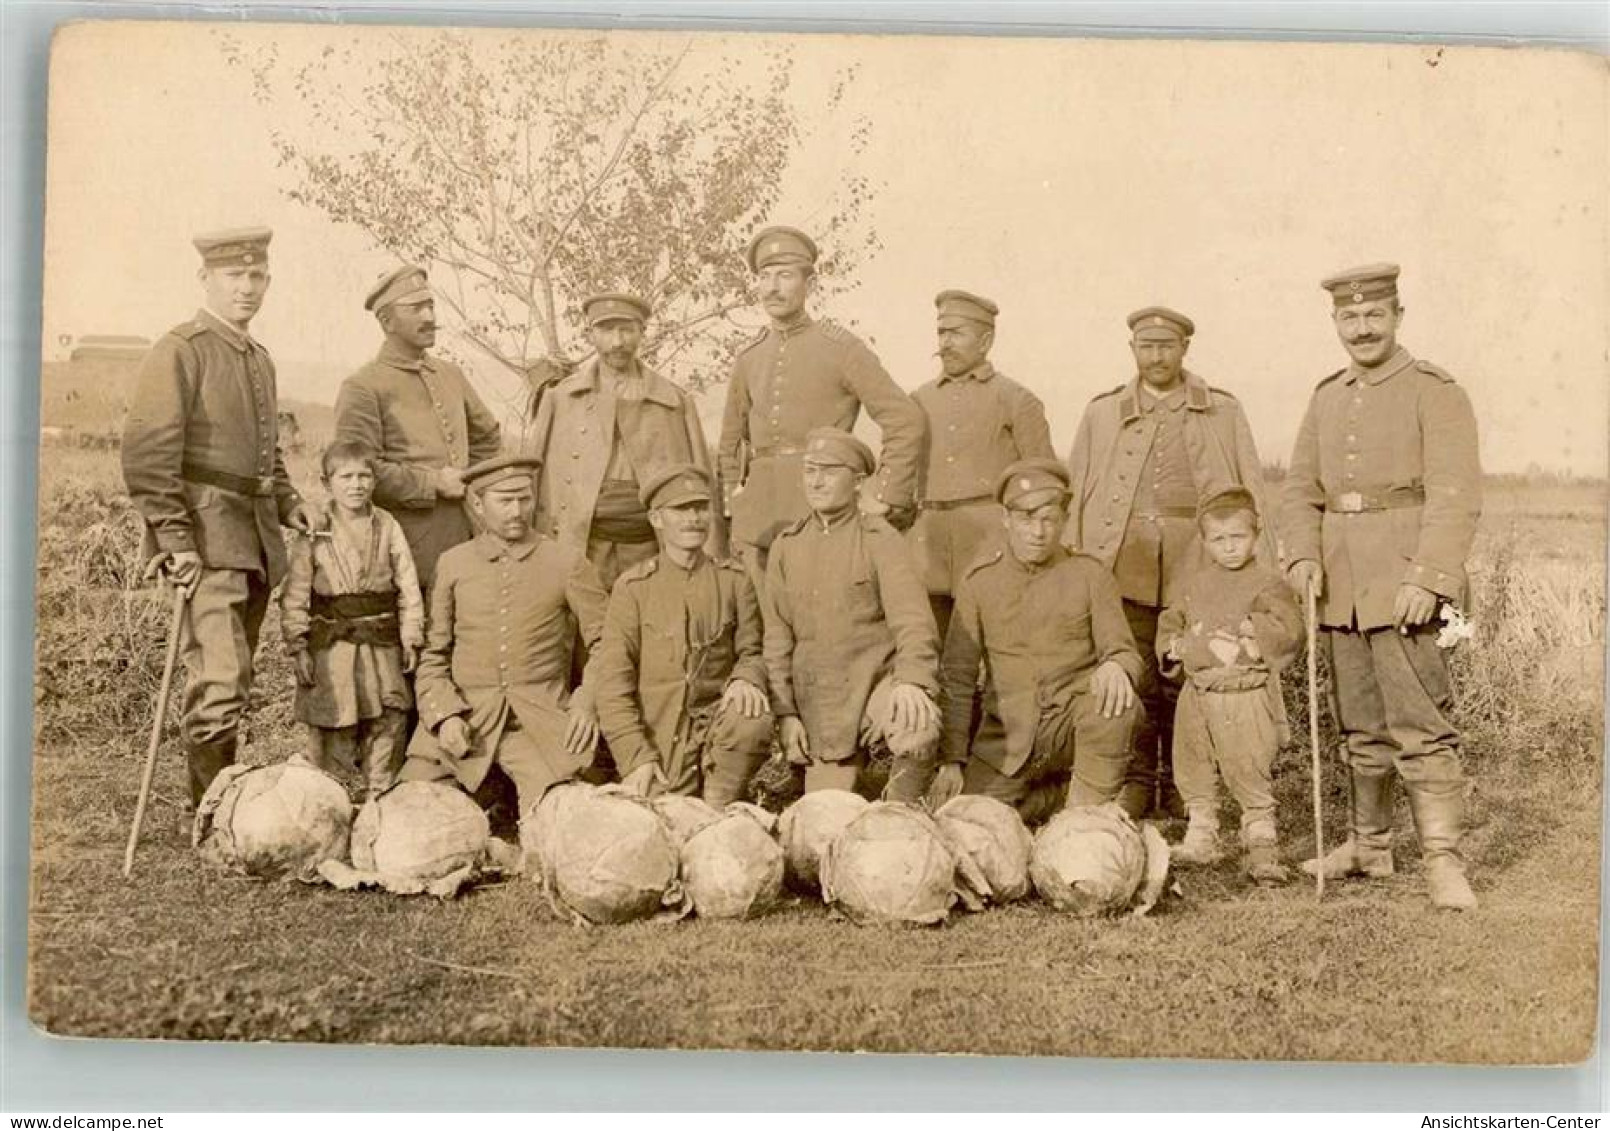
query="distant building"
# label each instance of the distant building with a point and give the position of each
(110, 347)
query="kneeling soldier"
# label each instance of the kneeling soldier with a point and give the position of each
(492, 684)
(1060, 664)
(851, 647)
(680, 674)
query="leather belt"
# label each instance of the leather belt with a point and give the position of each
(1376, 499)
(260, 487)
(778, 451)
(952, 504)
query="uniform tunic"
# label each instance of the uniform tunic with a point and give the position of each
(418, 415)
(674, 638)
(979, 423)
(504, 619)
(1233, 631)
(203, 466)
(1385, 488)
(1040, 632)
(788, 381)
(845, 609)
(589, 432)
(353, 681)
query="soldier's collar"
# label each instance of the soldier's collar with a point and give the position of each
(1057, 554)
(397, 359)
(834, 521)
(493, 547)
(1389, 368)
(801, 321)
(982, 372)
(223, 329)
(1198, 397)
(588, 379)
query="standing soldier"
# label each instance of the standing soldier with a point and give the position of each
(1060, 664)
(493, 683)
(851, 648)
(1380, 511)
(203, 466)
(801, 374)
(420, 417)
(604, 431)
(979, 422)
(680, 674)
(1145, 453)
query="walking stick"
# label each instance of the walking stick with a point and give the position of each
(1313, 739)
(180, 595)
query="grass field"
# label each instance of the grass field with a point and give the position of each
(1221, 971)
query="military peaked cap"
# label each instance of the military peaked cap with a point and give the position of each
(1161, 318)
(613, 306)
(499, 469)
(677, 486)
(401, 284)
(1029, 484)
(1370, 283)
(780, 245)
(237, 247)
(836, 446)
(1231, 500)
(955, 304)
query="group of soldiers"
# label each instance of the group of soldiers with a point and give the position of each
(981, 610)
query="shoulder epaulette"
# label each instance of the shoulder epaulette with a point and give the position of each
(1434, 371)
(983, 561)
(1225, 393)
(794, 527)
(1080, 555)
(1112, 392)
(639, 571)
(833, 332)
(754, 341)
(732, 564)
(1331, 378)
(191, 329)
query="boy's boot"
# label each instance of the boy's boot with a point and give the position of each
(1439, 820)
(1261, 861)
(1201, 843)
(1368, 851)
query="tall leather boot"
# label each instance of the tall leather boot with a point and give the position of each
(205, 761)
(1368, 850)
(1439, 811)
(1136, 799)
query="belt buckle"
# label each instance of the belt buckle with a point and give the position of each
(265, 484)
(1350, 502)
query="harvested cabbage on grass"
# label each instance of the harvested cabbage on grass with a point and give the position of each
(608, 858)
(273, 821)
(891, 865)
(990, 834)
(732, 867)
(540, 822)
(808, 826)
(683, 815)
(418, 838)
(1093, 860)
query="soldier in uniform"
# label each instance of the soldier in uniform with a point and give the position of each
(420, 416)
(203, 466)
(680, 673)
(506, 612)
(1380, 510)
(979, 422)
(1145, 454)
(604, 431)
(797, 375)
(851, 648)
(1060, 664)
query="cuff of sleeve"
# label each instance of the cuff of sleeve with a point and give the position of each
(435, 708)
(176, 540)
(917, 676)
(1441, 583)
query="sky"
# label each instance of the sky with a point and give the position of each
(1072, 182)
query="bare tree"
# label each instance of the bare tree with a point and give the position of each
(527, 172)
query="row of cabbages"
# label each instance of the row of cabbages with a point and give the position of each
(603, 855)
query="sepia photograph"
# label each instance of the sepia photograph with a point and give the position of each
(769, 541)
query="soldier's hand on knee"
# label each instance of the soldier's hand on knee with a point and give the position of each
(796, 744)
(1305, 573)
(745, 698)
(303, 664)
(1114, 693)
(581, 731)
(902, 517)
(947, 784)
(454, 735)
(642, 780)
(1414, 606)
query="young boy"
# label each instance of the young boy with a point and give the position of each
(1234, 625)
(353, 621)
